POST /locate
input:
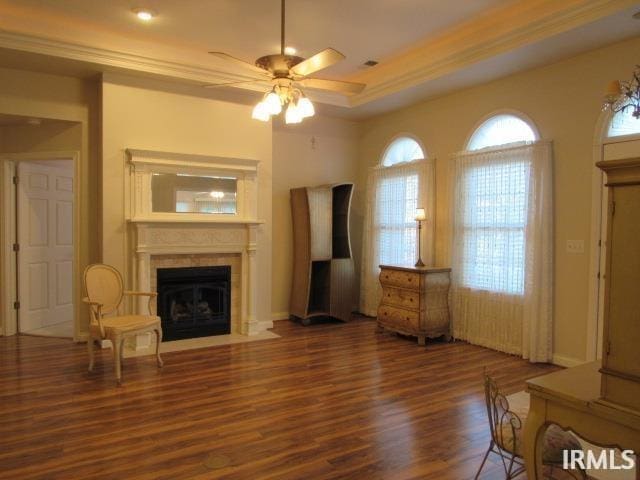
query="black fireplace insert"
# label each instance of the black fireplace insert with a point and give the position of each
(194, 301)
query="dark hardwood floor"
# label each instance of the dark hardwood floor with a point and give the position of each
(329, 401)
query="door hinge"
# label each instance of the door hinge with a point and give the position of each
(613, 208)
(16, 180)
(609, 348)
(598, 276)
(16, 247)
(16, 305)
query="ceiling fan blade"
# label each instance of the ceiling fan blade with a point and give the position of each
(242, 63)
(225, 84)
(320, 60)
(349, 88)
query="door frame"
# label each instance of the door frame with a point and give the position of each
(8, 212)
(598, 229)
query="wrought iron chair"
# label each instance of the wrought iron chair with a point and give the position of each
(506, 426)
(104, 287)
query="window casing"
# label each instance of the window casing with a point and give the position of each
(397, 193)
(495, 209)
(624, 123)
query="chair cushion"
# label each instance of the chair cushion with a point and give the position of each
(125, 323)
(555, 439)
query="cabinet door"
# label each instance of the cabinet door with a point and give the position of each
(320, 205)
(622, 324)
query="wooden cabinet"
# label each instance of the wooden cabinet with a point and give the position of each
(415, 301)
(323, 271)
(621, 349)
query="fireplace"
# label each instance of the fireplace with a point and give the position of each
(194, 301)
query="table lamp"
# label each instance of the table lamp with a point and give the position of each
(420, 217)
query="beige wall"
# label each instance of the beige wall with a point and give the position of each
(563, 100)
(318, 151)
(74, 103)
(152, 119)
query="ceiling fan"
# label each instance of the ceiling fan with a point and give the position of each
(287, 73)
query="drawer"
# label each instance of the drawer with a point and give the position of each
(398, 278)
(399, 297)
(400, 318)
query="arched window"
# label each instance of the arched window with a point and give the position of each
(624, 123)
(403, 149)
(501, 130)
(502, 239)
(399, 185)
(495, 197)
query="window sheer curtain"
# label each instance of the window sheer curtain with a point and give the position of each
(390, 231)
(502, 249)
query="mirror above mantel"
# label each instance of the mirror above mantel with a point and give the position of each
(167, 187)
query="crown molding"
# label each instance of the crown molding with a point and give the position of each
(107, 59)
(480, 39)
(496, 32)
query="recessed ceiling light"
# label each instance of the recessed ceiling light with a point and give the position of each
(290, 51)
(144, 14)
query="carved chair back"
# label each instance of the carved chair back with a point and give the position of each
(504, 424)
(104, 285)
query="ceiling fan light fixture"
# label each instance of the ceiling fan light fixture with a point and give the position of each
(273, 103)
(293, 114)
(261, 112)
(306, 107)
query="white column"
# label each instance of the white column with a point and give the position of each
(144, 280)
(251, 324)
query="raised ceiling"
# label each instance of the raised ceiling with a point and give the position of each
(361, 29)
(425, 47)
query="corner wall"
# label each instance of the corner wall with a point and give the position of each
(318, 151)
(564, 101)
(142, 118)
(75, 103)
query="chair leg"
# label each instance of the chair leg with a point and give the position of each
(117, 348)
(486, 455)
(158, 342)
(90, 348)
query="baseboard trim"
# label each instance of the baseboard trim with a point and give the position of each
(276, 316)
(564, 361)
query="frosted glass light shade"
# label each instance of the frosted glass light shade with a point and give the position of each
(293, 114)
(272, 101)
(306, 107)
(261, 112)
(420, 214)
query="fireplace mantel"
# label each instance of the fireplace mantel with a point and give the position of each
(197, 233)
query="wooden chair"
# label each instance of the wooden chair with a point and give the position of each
(506, 426)
(105, 290)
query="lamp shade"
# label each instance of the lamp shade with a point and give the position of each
(420, 214)
(272, 100)
(261, 112)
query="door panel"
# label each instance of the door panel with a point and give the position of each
(611, 151)
(45, 235)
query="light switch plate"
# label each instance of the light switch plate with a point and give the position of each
(575, 246)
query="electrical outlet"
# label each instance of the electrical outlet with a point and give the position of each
(575, 246)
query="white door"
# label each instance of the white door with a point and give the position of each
(45, 236)
(618, 150)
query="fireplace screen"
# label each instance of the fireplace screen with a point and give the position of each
(194, 301)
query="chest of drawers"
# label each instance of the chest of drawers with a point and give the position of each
(415, 301)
